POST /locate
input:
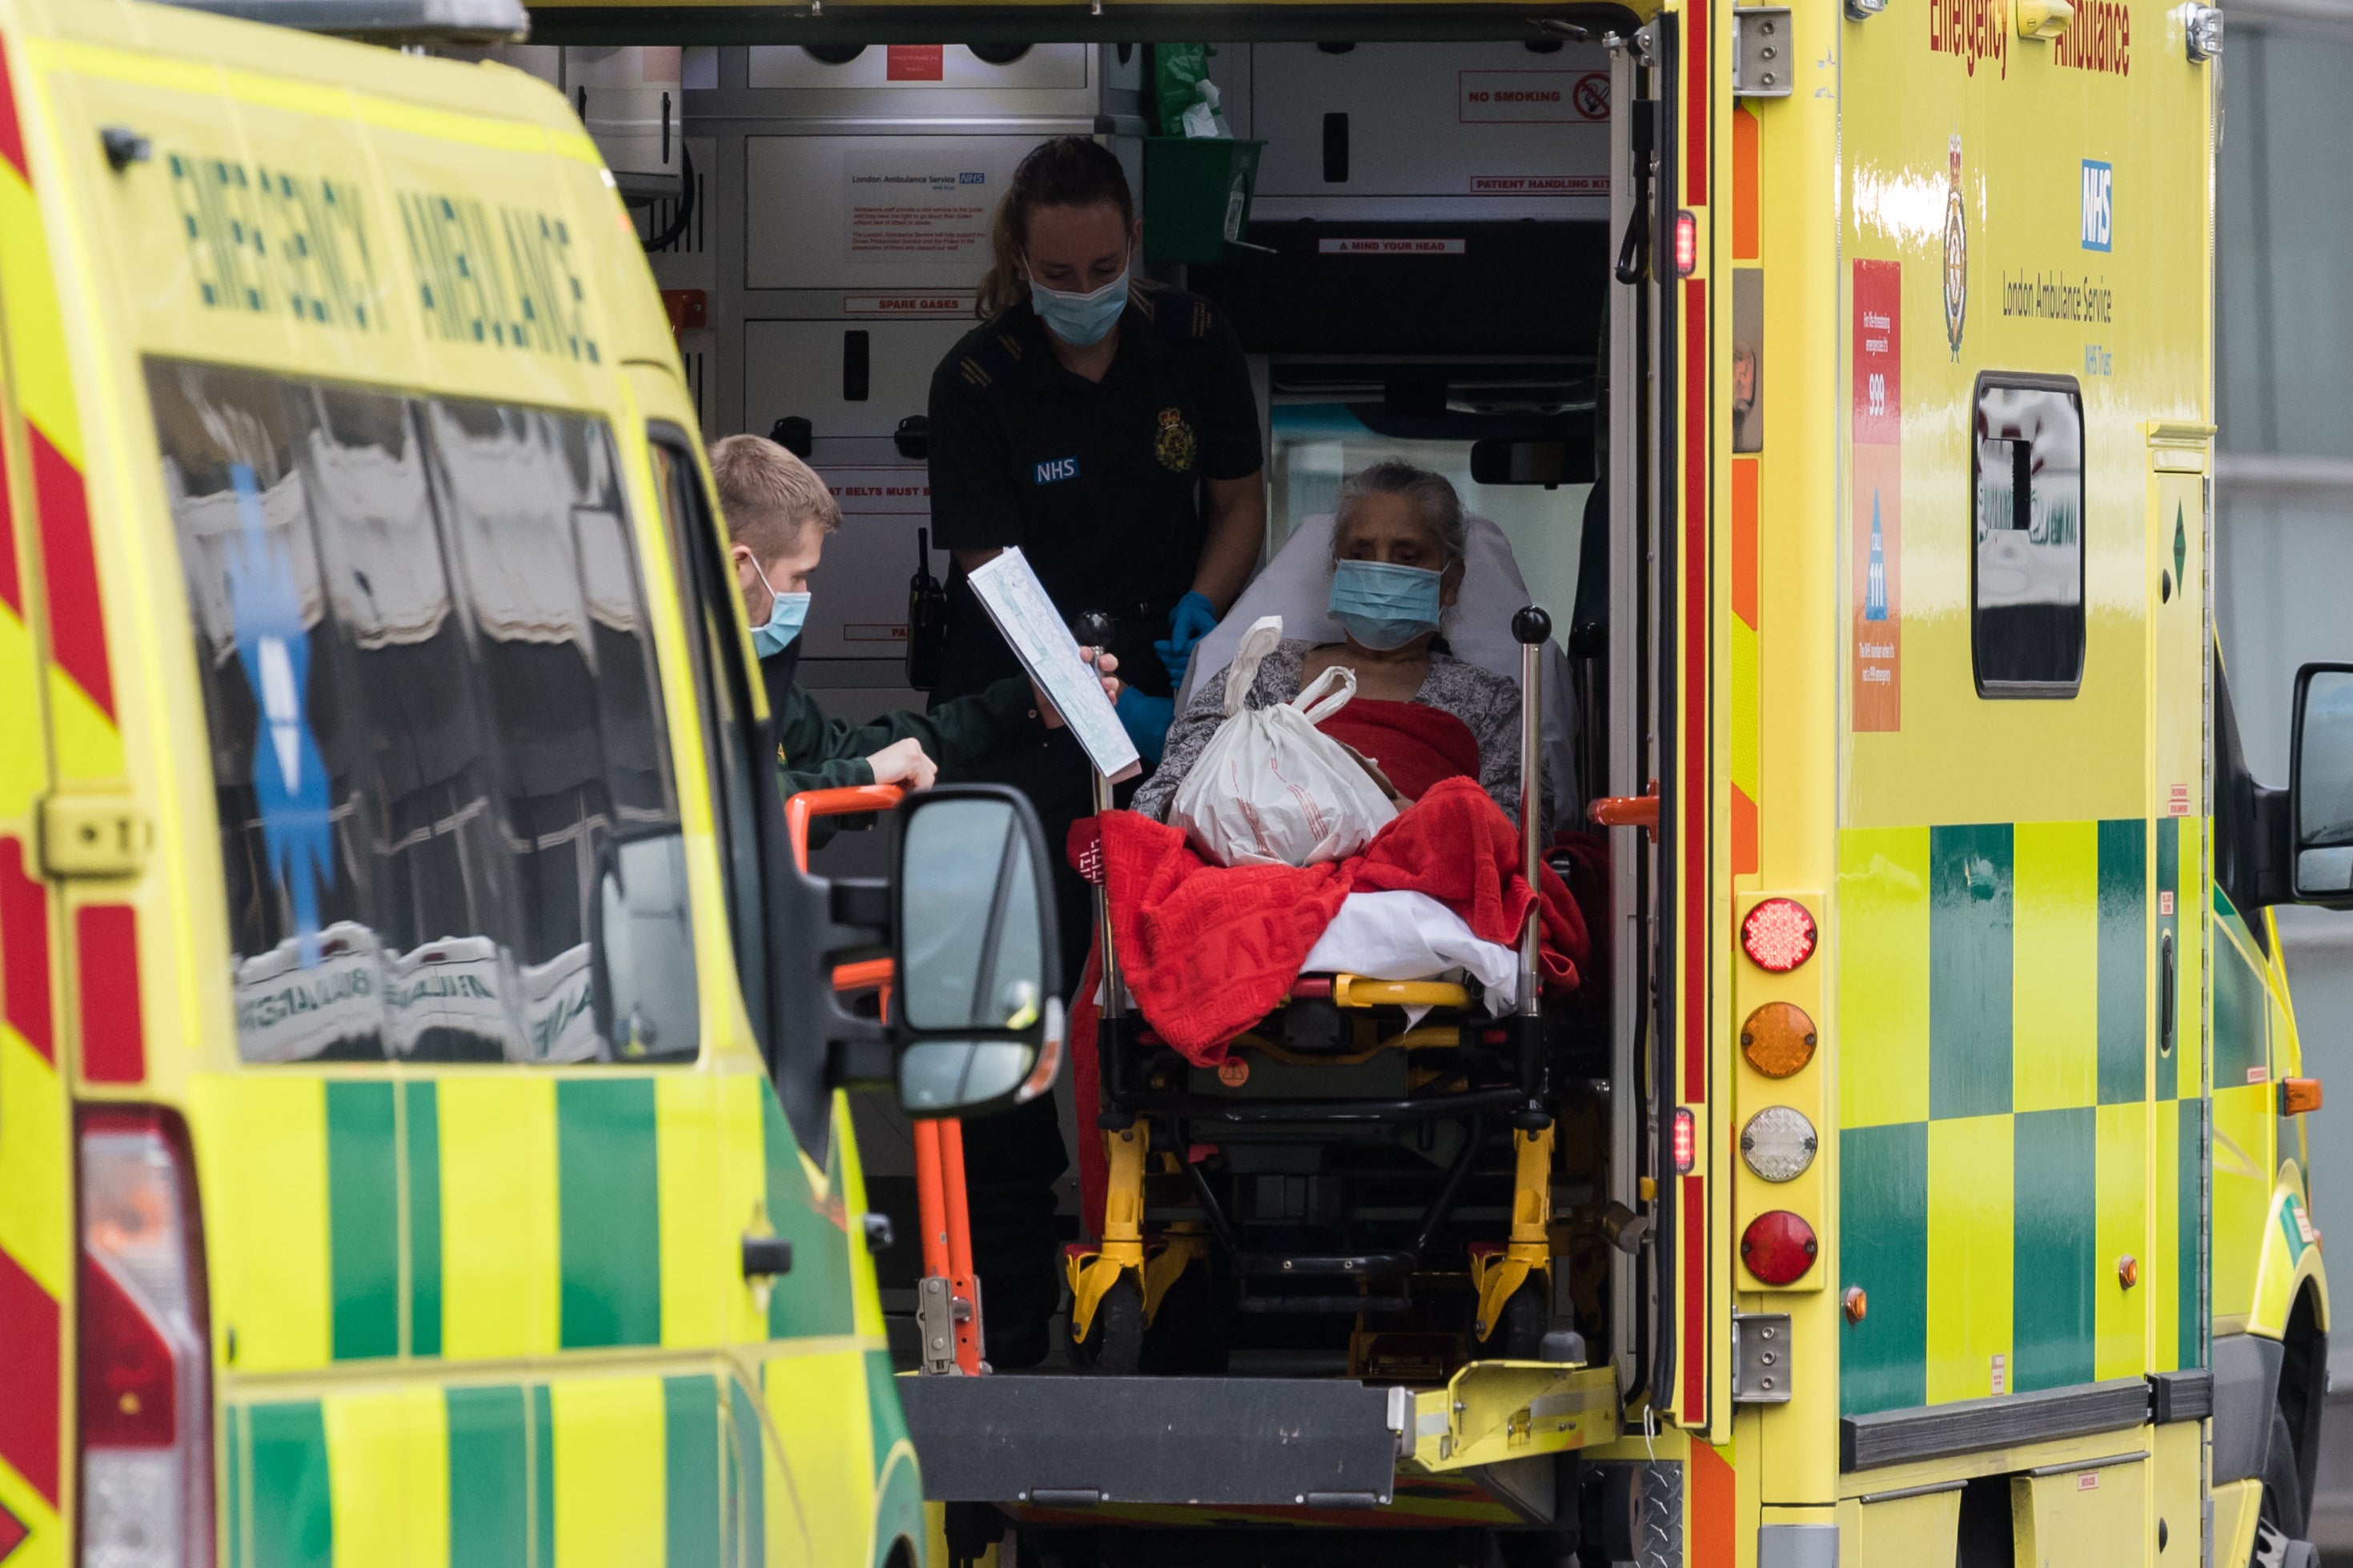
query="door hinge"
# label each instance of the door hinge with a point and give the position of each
(94, 836)
(1761, 61)
(1760, 1358)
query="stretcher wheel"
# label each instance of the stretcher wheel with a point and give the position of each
(1114, 1342)
(1187, 1336)
(1526, 1315)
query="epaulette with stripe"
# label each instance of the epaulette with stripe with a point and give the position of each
(973, 375)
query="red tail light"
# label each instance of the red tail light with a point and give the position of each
(1687, 1144)
(1778, 935)
(144, 1362)
(1686, 244)
(1778, 1248)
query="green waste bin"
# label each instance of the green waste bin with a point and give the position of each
(1197, 195)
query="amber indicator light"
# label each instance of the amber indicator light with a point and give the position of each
(2298, 1095)
(1778, 1038)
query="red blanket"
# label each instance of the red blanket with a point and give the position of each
(1209, 951)
(1413, 744)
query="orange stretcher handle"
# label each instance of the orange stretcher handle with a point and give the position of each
(1629, 810)
(853, 800)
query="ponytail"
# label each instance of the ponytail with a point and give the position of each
(1067, 172)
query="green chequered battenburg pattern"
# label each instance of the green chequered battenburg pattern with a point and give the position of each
(1994, 983)
(609, 1204)
(501, 1456)
(819, 1302)
(422, 1139)
(364, 1219)
(491, 1476)
(291, 1522)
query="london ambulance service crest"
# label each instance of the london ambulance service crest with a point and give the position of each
(1957, 253)
(1175, 445)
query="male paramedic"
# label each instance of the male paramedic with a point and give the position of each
(778, 513)
(1106, 426)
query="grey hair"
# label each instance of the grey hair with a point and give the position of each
(1432, 496)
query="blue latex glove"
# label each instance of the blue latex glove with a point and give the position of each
(1146, 720)
(1193, 619)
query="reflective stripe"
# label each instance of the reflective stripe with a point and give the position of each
(610, 1484)
(388, 1474)
(364, 1219)
(498, 1216)
(608, 1212)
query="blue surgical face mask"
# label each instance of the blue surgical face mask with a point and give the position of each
(1080, 321)
(786, 614)
(1384, 606)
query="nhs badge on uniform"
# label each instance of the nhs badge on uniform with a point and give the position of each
(1053, 470)
(2099, 204)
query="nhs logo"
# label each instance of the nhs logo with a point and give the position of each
(2099, 204)
(1055, 470)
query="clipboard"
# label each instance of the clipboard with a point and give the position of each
(1009, 591)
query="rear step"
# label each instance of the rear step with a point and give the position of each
(1065, 1443)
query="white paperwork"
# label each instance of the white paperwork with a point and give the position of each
(1017, 602)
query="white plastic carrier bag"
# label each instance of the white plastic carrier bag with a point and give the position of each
(1271, 789)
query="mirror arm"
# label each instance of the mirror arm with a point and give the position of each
(863, 903)
(2273, 839)
(860, 1059)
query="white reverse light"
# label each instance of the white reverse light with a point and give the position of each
(1778, 1144)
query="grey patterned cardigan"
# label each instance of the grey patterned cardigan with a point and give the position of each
(1488, 704)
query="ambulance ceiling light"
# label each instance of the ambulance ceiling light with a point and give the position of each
(1778, 935)
(2201, 28)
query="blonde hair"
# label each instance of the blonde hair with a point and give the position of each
(1066, 171)
(768, 496)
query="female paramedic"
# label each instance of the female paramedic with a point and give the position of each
(1105, 425)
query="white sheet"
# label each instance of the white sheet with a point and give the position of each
(1297, 585)
(1412, 936)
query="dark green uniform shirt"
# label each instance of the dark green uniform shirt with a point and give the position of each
(813, 751)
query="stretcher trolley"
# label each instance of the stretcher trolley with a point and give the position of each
(1335, 1281)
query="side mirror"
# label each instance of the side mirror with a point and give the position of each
(2320, 785)
(642, 993)
(977, 1015)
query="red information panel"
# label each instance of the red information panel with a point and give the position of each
(1877, 669)
(915, 62)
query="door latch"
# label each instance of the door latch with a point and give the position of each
(1760, 1358)
(94, 836)
(1761, 60)
(765, 1256)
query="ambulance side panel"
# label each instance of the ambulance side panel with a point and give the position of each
(2024, 278)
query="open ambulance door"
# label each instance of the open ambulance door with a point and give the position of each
(1659, 466)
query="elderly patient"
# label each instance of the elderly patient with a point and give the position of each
(1419, 713)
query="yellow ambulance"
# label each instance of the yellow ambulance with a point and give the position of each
(1953, 1072)
(419, 1144)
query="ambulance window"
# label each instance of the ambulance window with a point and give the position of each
(714, 646)
(440, 766)
(2027, 571)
